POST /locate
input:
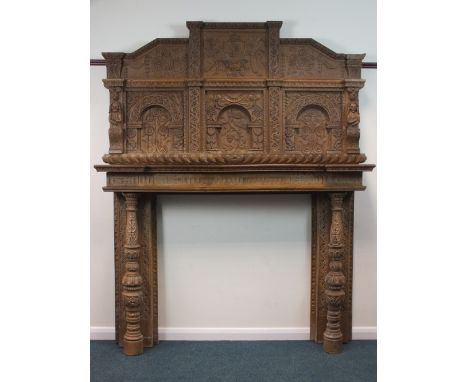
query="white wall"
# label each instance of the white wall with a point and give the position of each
(233, 261)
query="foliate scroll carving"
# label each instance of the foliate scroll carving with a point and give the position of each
(234, 121)
(250, 101)
(275, 115)
(329, 101)
(234, 53)
(194, 118)
(138, 102)
(335, 279)
(116, 120)
(352, 123)
(132, 280)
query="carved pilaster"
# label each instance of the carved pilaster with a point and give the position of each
(194, 118)
(274, 100)
(335, 279)
(132, 280)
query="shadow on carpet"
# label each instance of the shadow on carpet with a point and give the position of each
(240, 361)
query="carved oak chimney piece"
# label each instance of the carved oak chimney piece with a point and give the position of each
(233, 108)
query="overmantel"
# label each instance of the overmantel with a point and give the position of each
(233, 108)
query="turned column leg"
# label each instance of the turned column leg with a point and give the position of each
(132, 280)
(335, 279)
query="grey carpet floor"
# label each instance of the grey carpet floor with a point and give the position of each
(240, 361)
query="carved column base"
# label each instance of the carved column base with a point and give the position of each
(333, 336)
(333, 346)
(133, 347)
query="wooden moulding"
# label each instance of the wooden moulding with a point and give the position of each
(233, 108)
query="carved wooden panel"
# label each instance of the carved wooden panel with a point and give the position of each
(158, 60)
(234, 53)
(302, 60)
(234, 121)
(155, 122)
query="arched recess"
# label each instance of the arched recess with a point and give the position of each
(155, 123)
(233, 131)
(308, 133)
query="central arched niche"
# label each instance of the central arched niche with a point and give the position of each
(309, 132)
(234, 132)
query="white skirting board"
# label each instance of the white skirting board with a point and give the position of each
(233, 334)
